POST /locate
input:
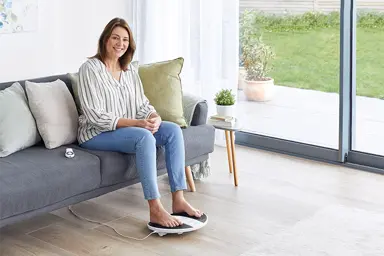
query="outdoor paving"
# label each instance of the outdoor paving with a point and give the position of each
(312, 117)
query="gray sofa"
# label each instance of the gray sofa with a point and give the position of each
(38, 180)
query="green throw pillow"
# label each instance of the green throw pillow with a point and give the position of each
(74, 77)
(162, 86)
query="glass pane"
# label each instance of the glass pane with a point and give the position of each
(302, 104)
(369, 122)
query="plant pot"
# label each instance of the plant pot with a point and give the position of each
(226, 110)
(241, 78)
(259, 90)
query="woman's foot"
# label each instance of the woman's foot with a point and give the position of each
(158, 215)
(181, 205)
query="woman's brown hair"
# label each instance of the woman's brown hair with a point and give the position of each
(102, 52)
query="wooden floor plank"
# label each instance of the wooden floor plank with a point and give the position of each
(25, 245)
(86, 242)
(30, 225)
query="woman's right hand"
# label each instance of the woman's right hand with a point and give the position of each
(145, 124)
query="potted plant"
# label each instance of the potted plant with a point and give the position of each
(256, 57)
(225, 102)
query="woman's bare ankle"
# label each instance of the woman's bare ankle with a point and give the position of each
(178, 196)
(155, 204)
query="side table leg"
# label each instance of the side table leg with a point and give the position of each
(229, 147)
(190, 181)
(233, 157)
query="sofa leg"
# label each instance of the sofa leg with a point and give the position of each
(191, 182)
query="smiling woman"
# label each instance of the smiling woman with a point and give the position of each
(116, 42)
(117, 116)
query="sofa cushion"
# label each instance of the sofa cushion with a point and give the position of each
(55, 112)
(17, 126)
(37, 177)
(118, 167)
(198, 140)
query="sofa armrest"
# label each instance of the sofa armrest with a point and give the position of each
(200, 114)
(195, 109)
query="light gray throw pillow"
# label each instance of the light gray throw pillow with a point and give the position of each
(17, 126)
(55, 112)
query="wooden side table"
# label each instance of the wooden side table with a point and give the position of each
(230, 144)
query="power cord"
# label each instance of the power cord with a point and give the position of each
(83, 218)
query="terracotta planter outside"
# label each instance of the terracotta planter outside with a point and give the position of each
(259, 90)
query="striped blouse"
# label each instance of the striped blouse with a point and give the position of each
(104, 99)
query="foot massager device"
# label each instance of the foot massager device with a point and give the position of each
(190, 223)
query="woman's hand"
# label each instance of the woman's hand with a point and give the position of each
(151, 124)
(155, 121)
(146, 124)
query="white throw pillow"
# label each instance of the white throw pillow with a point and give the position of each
(17, 126)
(55, 112)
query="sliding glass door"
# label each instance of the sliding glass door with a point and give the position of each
(299, 113)
(327, 97)
(367, 130)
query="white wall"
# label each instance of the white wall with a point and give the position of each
(68, 33)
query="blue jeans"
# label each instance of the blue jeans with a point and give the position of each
(143, 143)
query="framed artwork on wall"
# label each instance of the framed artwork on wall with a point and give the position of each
(18, 16)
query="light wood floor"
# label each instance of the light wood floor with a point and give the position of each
(275, 192)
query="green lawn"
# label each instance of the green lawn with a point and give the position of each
(310, 60)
